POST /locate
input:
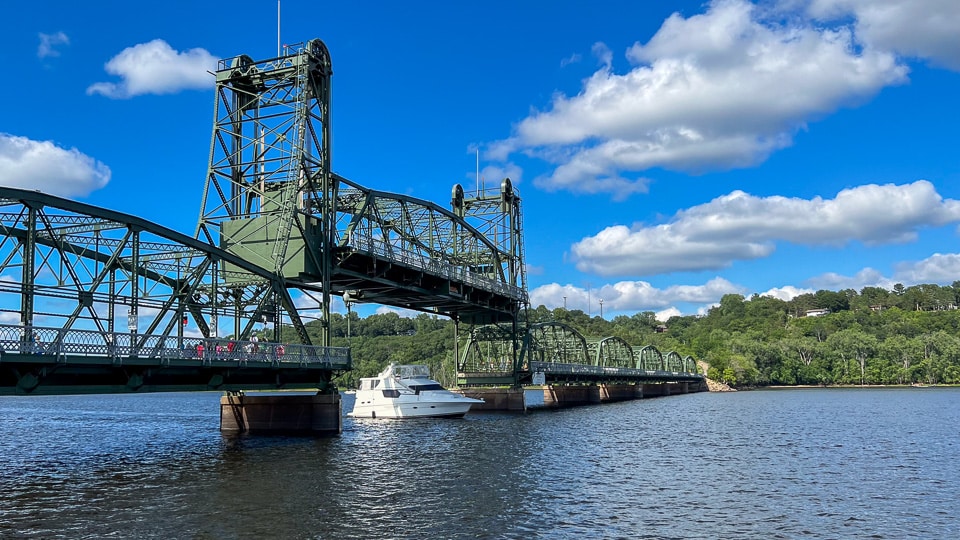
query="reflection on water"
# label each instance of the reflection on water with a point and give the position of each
(810, 463)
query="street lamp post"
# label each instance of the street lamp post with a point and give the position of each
(564, 303)
(601, 308)
(348, 320)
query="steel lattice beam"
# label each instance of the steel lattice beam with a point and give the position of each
(52, 273)
(271, 199)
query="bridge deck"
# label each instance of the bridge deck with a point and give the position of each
(405, 282)
(79, 361)
(560, 373)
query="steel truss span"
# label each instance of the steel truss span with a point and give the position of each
(273, 216)
(563, 355)
(82, 285)
(272, 199)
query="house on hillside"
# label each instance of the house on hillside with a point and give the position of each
(816, 312)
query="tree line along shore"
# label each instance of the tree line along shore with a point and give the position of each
(904, 336)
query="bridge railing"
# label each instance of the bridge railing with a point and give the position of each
(556, 368)
(116, 347)
(372, 246)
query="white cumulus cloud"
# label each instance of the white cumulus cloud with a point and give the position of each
(924, 29)
(404, 313)
(740, 226)
(630, 296)
(714, 91)
(156, 68)
(44, 166)
(491, 176)
(786, 293)
(309, 303)
(867, 277)
(941, 268)
(664, 315)
(49, 42)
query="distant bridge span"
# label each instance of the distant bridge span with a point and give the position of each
(557, 354)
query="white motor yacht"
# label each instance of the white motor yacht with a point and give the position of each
(407, 391)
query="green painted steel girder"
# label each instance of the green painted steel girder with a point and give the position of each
(87, 266)
(272, 199)
(563, 356)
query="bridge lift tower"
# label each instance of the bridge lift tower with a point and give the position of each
(272, 199)
(269, 192)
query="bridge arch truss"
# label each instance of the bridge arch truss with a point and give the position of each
(611, 352)
(562, 354)
(70, 265)
(649, 358)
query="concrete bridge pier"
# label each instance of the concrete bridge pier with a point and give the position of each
(620, 392)
(568, 396)
(497, 399)
(317, 414)
(656, 390)
(671, 389)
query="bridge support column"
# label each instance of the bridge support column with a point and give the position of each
(497, 399)
(568, 396)
(620, 392)
(316, 414)
(656, 390)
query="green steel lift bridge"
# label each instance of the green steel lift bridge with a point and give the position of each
(277, 226)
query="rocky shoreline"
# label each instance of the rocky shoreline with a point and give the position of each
(712, 385)
(717, 386)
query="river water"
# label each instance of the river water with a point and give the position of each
(815, 463)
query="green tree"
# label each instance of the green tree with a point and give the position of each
(852, 344)
(834, 301)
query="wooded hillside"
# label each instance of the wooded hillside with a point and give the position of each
(874, 336)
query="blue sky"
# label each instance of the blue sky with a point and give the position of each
(667, 153)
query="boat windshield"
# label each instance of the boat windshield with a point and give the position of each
(412, 371)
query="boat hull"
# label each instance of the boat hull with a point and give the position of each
(420, 409)
(406, 391)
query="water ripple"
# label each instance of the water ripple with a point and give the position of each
(877, 463)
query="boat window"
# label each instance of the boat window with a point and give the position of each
(391, 393)
(425, 387)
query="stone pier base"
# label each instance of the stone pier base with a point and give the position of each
(496, 399)
(568, 396)
(670, 389)
(620, 392)
(512, 399)
(316, 414)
